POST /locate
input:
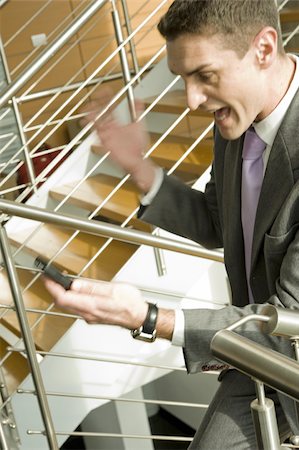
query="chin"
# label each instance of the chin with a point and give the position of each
(230, 134)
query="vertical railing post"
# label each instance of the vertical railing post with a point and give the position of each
(123, 59)
(129, 31)
(264, 419)
(161, 268)
(8, 431)
(295, 344)
(27, 338)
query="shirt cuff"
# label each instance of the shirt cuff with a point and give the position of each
(148, 198)
(178, 338)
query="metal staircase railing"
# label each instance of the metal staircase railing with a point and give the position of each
(93, 227)
(110, 231)
(264, 366)
(57, 123)
(271, 368)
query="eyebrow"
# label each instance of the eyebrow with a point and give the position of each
(196, 70)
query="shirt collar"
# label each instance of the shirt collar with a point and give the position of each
(267, 128)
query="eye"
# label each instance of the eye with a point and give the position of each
(205, 77)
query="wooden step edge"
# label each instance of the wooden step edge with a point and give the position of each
(79, 252)
(178, 109)
(196, 169)
(174, 138)
(174, 102)
(108, 213)
(46, 334)
(15, 368)
(289, 15)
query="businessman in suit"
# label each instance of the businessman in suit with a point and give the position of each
(230, 55)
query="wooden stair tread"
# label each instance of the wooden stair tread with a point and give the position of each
(73, 258)
(167, 154)
(174, 102)
(15, 368)
(202, 153)
(78, 252)
(94, 190)
(187, 131)
(51, 328)
(289, 15)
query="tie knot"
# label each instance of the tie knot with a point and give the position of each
(253, 146)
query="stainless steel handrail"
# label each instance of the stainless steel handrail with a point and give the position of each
(11, 90)
(54, 32)
(83, 132)
(272, 368)
(106, 230)
(264, 366)
(99, 68)
(32, 18)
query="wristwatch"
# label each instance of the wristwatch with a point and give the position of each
(147, 331)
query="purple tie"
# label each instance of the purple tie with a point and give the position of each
(252, 178)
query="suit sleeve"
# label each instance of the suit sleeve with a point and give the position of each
(201, 325)
(186, 212)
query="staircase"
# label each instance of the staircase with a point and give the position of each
(80, 187)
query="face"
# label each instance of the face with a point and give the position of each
(219, 81)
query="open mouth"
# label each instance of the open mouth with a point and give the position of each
(222, 114)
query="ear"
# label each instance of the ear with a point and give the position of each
(265, 45)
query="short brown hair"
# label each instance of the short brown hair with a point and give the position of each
(238, 21)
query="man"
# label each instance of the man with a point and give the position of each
(230, 55)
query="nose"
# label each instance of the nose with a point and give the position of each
(195, 96)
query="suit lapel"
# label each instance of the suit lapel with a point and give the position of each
(279, 176)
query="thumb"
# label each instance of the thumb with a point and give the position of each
(139, 107)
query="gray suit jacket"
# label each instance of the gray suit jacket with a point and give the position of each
(213, 219)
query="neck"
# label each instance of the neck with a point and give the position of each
(278, 83)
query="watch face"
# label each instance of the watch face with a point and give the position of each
(146, 337)
(147, 332)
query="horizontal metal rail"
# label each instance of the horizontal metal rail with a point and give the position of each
(154, 437)
(130, 362)
(106, 230)
(41, 311)
(119, 399)
(67, 87)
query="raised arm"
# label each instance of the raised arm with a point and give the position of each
(126, 143)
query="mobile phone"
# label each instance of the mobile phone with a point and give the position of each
(52, 272)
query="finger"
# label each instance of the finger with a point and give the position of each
(139, 107)
(103, 98)
(104, 95)
(74, 302)
(92, 288)
(55, 289)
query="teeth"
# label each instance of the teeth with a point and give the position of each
(222, 113)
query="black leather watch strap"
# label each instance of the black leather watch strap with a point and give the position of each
(147, 331)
